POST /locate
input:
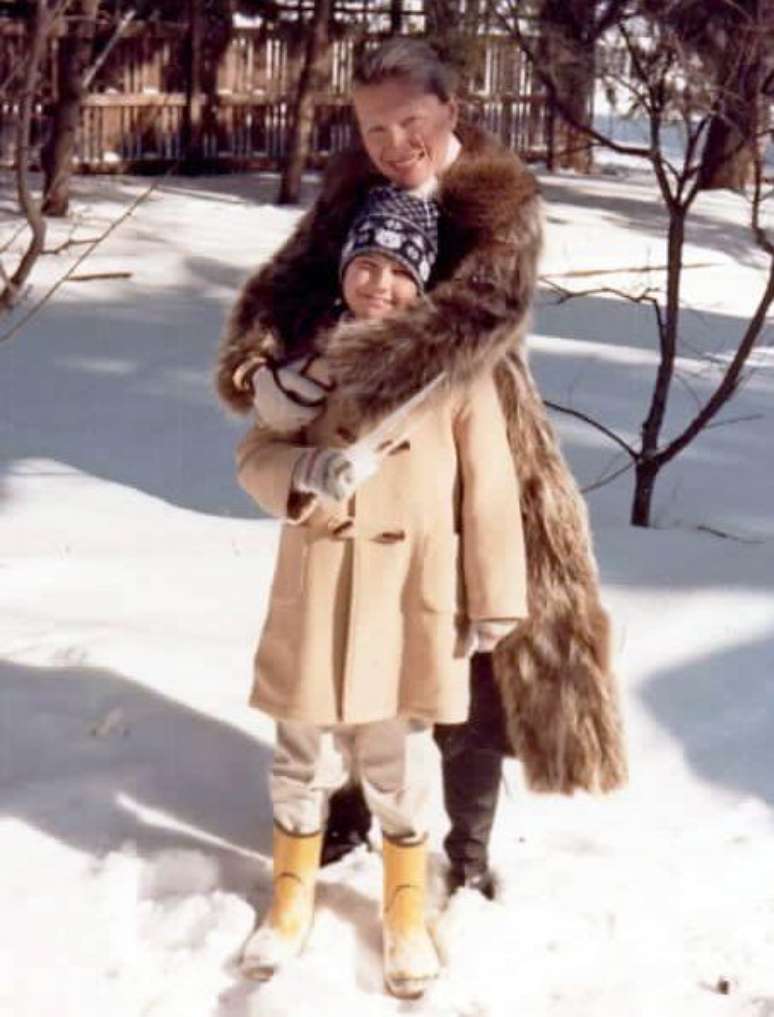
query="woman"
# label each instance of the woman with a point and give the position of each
(545, 692)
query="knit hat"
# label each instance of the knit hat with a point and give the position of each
(399, 226)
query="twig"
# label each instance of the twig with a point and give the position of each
(594, 423)
(735, 420)
(99, 275)
(565, 294)
(122, 26)
(728, 536)
(580, 273)
(103, 236)
(607, 479)
(68, 243)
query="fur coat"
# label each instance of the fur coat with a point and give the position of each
(554, 672)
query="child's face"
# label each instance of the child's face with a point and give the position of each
(375, 286)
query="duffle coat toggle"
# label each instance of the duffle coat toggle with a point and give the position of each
(350, 528)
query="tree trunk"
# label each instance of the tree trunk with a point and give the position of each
(575, 82)
(729, 152)
(29, 206)
(442, 16)
(568, 44)
(311, 82)
(74, 57)
(738, 69)
(646, 472)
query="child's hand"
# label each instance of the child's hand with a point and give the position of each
(333, 474)
(286, 400)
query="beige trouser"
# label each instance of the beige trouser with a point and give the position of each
(392, 759)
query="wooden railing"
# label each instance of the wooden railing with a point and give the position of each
(136, 116)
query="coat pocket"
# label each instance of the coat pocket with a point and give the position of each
(290, 572)
(440, 580)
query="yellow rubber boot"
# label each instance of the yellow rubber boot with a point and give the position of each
(410, 958)
(283, 932)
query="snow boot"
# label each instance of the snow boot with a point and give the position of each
(283, 932)
(410, 958)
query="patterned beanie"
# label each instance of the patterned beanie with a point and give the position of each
(396, 225)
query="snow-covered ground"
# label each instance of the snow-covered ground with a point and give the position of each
(135, 822)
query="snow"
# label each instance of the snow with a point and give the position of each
(135, 823)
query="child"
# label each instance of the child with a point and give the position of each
(387, 563)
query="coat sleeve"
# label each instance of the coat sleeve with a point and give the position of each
(467, 321)
(493, 556)
(265, 465)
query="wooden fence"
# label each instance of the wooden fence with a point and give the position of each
(135, 118)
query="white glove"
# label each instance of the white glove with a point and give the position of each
(286, 400)
(482, 636)
(490, 631)
(331, 473)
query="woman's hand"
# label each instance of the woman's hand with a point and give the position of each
(285, 399)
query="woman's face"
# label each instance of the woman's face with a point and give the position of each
(406, 131)
(374, 286)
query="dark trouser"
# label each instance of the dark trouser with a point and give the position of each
(472, 762)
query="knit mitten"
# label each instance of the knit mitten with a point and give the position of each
(333, 474)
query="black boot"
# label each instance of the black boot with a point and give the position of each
(472, 761)
(349, 821)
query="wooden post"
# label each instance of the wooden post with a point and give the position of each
(192, 120)
(396, 16)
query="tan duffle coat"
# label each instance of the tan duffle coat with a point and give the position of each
(367, 611)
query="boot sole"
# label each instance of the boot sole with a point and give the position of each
(257, 974)
(408, 988)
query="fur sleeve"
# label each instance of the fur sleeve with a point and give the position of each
(470, 319)
(284, 302)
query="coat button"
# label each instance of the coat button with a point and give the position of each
(390, 537)
(339, 527)
(404, 446)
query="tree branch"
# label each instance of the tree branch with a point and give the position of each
(594, 423)
(731, 378)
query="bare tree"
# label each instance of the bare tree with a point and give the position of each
(568, 33)
(73, 58)
(667, 85)
(735, 44)
(43, 19)
(311, 82)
